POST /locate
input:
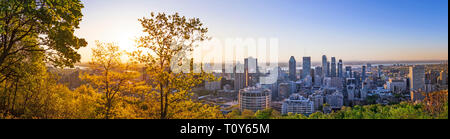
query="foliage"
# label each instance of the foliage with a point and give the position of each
(267, 114)
(46, 26)
(110, 77)
(36, 33)
(169, 38)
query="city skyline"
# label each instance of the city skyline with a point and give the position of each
(260, 60)
(401, 31)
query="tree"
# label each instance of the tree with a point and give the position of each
(168, 37)
(267, 114)
(47, 26)
(248, 114)
(34, 33)
(436, 103)
(234, 114)
(110, 76)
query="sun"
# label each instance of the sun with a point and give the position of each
(127, 43)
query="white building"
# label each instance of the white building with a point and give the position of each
(317, 99)
(254, 99)
(297, 104)
(396, 85)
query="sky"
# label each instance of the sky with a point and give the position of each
(352, 30)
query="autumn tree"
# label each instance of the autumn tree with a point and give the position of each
(109, 75)
(436, 103)
(47, 26)
(167, 37)
(34, 33)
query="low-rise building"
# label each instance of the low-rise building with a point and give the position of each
(297, 104)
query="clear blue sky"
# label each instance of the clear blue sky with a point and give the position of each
(354, 30)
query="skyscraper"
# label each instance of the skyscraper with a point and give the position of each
(324, 66)
(239, 79)
(306, 67)
(417, 77)
(443, 78)
(348, 71)
(380, 70)
(318, 71)
(351, 88)
(292, 69)
(363, 74)
(340, 69)
(251, 72)
(333, 67)
(369, 67)
(318, 76)
(417, 81)
(328, 69)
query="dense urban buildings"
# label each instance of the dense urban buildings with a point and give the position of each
(324, 87)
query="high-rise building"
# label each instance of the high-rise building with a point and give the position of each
(364, 91)
(333, 67)
(363, 74)
(297, 104)
(351, 88)
(318, 77)
(306, 67)
(324, 66)
(443, 78)
(380, 70)
(417, 81)
(292, 69)
(254, 99)
(348, 72)
(239, 79)
(340, 69)
(328, 69)
(251, 72)
(417, 77)
(318, 71)
(369, 67)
